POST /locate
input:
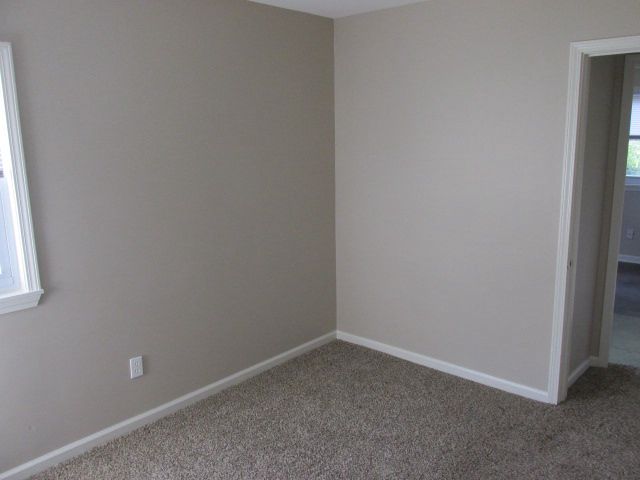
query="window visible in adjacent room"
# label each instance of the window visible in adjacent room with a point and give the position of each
(633, 158)
(19, 279)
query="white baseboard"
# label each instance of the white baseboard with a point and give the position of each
(71, 450)
(598, 362)
(577, 373)
(628, 259)
(450, 368)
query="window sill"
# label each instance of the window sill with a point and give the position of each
(632, 184)
(19, 301)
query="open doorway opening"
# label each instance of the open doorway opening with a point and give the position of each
(625, 336)
(595, 333)
(605, 299)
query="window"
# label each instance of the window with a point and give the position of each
(633, 159)
(19, 279)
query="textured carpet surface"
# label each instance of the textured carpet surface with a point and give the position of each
(345, 412)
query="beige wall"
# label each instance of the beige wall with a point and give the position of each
(601, 137)
(181, 164)
(631, 219)
(450, 119)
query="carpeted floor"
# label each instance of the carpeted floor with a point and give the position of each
(345, 412)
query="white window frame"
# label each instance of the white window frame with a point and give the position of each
(28, 291)
(632, 183)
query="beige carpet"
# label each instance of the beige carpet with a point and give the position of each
(345, 412)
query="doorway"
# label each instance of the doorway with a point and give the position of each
(605, 322)
(583, 330)
(625, 335)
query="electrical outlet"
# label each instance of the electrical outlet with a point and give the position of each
(631, 233)
(135, 367)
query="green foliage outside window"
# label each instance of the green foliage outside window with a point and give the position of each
(633, 158)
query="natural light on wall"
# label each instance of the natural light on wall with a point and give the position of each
(19, 279)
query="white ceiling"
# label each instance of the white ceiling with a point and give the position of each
(336, 8)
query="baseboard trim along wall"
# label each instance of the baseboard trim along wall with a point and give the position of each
(628, 259)
(599, 362)
(583, 367)
(450, 368)
(577, 373)
(78, 447)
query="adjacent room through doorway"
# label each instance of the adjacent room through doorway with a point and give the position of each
(606, 297)
(625, 338)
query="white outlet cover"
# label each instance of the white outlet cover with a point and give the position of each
(135, 367)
